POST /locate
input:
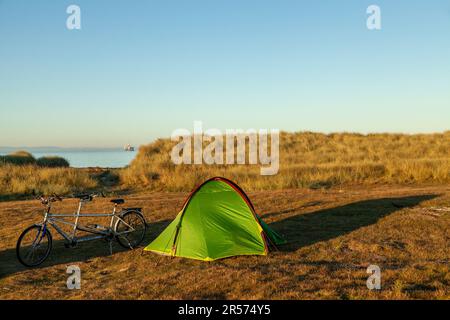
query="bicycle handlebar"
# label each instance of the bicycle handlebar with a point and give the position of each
(45, 200)
(98, 194)
(57, 197)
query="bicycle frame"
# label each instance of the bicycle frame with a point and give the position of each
(54, 218)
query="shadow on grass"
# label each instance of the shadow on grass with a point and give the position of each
(309, 228)
(290, 210)
(82, 253)
(300, 230)
(15, 197)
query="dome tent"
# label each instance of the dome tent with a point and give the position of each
(217, 221)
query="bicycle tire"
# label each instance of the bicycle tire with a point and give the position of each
(47, 234)
(141, 236)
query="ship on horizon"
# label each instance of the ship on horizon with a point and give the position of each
(128, 147)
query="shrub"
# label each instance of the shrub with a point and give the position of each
(21, 153)
(52, 162)
(18, 158)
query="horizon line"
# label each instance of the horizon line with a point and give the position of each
(281, 131)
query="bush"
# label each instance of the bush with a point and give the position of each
(52, 162)
(21, 153)
(18, 158)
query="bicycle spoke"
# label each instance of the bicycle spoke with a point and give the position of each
(29, 253)
(34, 246)
(130, 230)
(128, 225)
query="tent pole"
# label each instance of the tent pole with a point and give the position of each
(174, 245)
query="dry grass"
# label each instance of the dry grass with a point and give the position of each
(21, 175)
(333, 235)
(307, 160)
(343, 201)
(18, 181)
(311, 160)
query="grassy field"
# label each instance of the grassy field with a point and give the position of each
(21, 181)
(343, 201)
(307, 160)
(333, 234)
(311, 160)
(21, 176)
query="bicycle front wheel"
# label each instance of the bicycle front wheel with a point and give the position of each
(130, 229)
(34, 245)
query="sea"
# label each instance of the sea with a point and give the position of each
(82, 157)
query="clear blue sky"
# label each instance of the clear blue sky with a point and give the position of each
(140, 69)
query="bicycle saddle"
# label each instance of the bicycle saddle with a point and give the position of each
(118, 201)
(83, 196)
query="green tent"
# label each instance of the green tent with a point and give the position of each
(217, 221)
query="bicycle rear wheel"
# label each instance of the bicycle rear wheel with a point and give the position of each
(34, 245)
(130, 229)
